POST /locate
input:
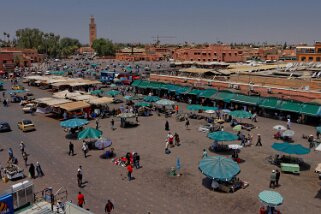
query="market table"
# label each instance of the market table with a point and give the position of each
(293, 168)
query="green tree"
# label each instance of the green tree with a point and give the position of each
(68, 46)
(104, 47)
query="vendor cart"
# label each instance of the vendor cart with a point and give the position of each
(13, 171)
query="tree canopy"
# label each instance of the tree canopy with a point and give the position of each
(46, 43)
(104, 47)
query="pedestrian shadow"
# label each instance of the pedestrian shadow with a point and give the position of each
(83, 184)
(318, 195)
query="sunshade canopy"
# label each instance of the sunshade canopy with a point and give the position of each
(219, 168)
(142, 104)
(288, 148)
(89, 133)
(151, 99)
(165, 102)
(240, 114)
(73, 123)
(222, 136)
(112, 93)
(271, 198)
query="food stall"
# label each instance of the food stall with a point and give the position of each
(13, 171)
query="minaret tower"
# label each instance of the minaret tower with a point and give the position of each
(92, 31)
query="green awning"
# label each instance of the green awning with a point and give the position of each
(311, 109)
(182, 90)
(207, 93)
(143, 84)
(224, 96)
(195, 92)
(271, 103)
(155, 85)
(167, 86)
(136, 83)
(249, 100)
(290, 106)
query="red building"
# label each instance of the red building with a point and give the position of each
(12, 57)
(211, 53)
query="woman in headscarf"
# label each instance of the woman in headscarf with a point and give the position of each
(32, 170)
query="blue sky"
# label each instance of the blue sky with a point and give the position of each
(293, 21)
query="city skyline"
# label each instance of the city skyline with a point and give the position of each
(191, 21)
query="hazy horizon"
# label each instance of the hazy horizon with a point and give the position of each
(193, 21)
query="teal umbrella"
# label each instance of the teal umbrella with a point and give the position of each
(151, 99)
(288, 148)
(73, 123)
(222, 136)
(89, 133)
(240, 114)
(1, 83)
(219, 168)
(165, 102)
(271, 198)
(318, 129)
(142, 104)
(96, 92)
(112, 93)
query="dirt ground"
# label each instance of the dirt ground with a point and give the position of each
(152, 190)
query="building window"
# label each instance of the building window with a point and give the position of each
(303, 58)
(319, 50)
(310, 58)
(230, 54)
(318, 59)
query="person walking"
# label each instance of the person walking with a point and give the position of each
(10, 153)
(39, 170)
(32, 171)
(277, 177)
(176, 109)
(177, 140)
(97, 123)
(22, 147)
(71, 149)
(166, 126)
(79, 177)
(129, 172)
(136, 159)
(288, 124)
(25, 158)
(112, 122)
(259, 141)
(109, 207)
(204, 153)
(272, 179)
(81, 199)
(85, 149)
(187, 123)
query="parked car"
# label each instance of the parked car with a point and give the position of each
(28, 108)
(26, 125)
(5, 127)
(206, 128)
